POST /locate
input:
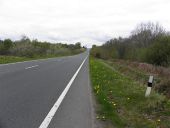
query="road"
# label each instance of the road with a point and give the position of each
(29, 90)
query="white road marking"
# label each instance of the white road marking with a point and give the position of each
(55, 107)
(32, 67)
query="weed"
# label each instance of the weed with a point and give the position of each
(121, 100)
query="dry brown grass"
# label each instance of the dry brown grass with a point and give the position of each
(162, 74)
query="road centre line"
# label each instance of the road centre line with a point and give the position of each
(32, 67)
(55, 107)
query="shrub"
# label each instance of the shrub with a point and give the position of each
(159, 52)
(164, 87)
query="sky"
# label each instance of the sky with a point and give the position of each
(71, 21)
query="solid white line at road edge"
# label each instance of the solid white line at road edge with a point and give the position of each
(53, 110)
(32, 67)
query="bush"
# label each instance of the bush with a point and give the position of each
(27, 48)
(164, 87)
(149, 42)
(159, 52)
(5, 46)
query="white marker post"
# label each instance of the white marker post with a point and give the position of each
(148, 90)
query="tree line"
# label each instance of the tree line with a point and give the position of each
(148, 42)
(33, 48)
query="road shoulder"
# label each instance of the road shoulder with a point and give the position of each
(76, 110)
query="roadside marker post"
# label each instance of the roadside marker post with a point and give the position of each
(150, 83)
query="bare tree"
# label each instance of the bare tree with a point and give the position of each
(145, 33)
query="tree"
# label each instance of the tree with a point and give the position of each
(1, 46)
(1, 41)
(78, 45)
(159, 52)
(145, 33)
(7, 44)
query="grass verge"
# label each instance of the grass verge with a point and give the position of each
(13, 59)
(121, 99)
(141, 71)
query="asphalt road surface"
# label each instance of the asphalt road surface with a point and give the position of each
(29, 90)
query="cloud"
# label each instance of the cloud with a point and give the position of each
(89, 21)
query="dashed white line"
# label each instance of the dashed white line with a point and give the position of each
(53, 110)
(32, 67)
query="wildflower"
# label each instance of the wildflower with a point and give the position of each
(114, 104)
(97, 117)
(128, 98)
(158, 120)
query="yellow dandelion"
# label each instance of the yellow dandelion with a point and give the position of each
(97, 117)
(158, 120)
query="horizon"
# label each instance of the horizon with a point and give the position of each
(90, 22)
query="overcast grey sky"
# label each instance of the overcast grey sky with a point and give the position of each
(88, 21)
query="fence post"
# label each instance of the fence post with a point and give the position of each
(148, 90)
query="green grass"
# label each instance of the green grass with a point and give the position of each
(4, 59)
(121, 99)
(13, 59)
